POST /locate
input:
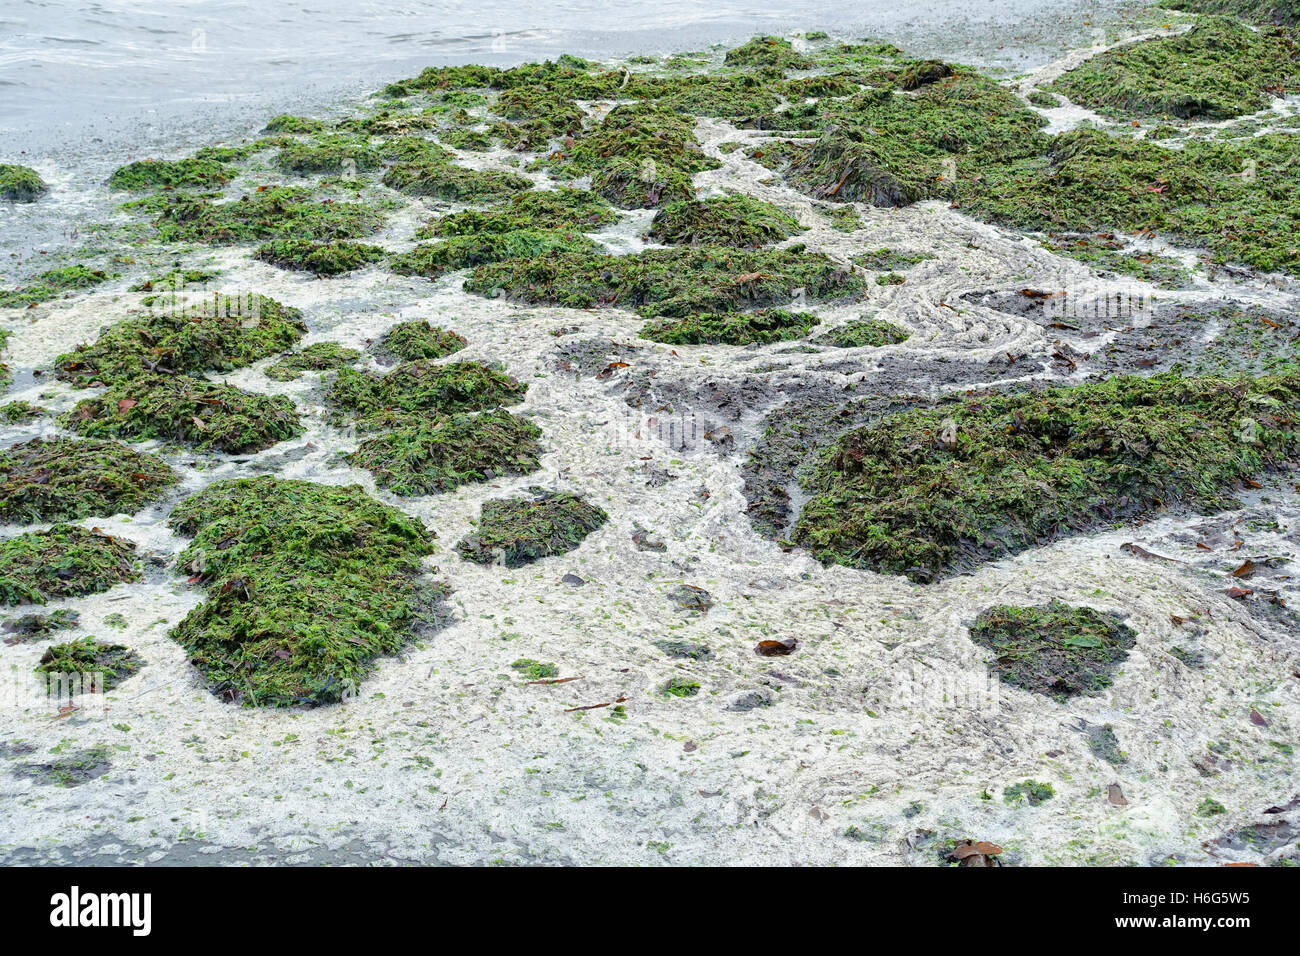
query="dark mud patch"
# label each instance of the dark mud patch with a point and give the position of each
(73, 770)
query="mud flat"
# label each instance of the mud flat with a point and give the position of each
(807, 451)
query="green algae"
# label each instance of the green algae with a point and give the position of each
(530, 669)
(538, 209)
(517, 531)
(932, 490)
(37, 627)
(74, 770)
(52, 284)
(272, 212)
(465, 252)
(1028, 791)
(874, 333)
(321, 258)
(214, 333)
(20, 183)
(424, 386)
(1283, 12)
(285, 123)
(890, 260)
(680, 687)
(1217, 70)
(317, 357)
(1107, 253)
(307, 585)
(207, 415)
(473, 140)
(62, 479)
(1054, 649)
(61, 562)
(418, 339)
(758, 327)
(113, 663)
(734, 220)
(20, 413)
(767, 51)
(424, 455)
(444, 180)
(171, 174)
(327, 154)
(673, 282)
(1241, 201)
(172, 281)
(1102, 740)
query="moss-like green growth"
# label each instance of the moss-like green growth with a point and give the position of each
(71, 771)
(723, 221)
(1209, 807)
(1101, 740)
(464, 252)
(473, 140)
(933, 489)
(425, 386)
(418, 339)
(63, 561)
(425, 455)
(759, 327)
(85, 656)
(194, 411)
(284, 123)
(1239, 200)
(767, 51)
(921, 72)
(61, 479)
(273, 212)
(444, 180)
(534, 670)
(307, 585)
(51, 285)
(1283, 12)
(1053, 649)
(217, 334)
(35, 627)
(1107, 253)
(20, 183)
(875, 333)
(327, 154)
(843, 218)
(1031, 791)
(1217, 70)
(641, 156)
(891, 149)
(321, 258)
(563, 208)
(176, 280)
(1042, 100)
(20, 413)
(671, 282)
(317, 357)
(171, 174)
(890, 260)
(518, 531)
(681, 687)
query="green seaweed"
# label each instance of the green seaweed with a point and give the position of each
(562, 208)
(20, 183)
(317, 357)
(61, 562)
(874, 333)
(63, 479)
(767, 51)
(734, 220)
(758, 327)
(444, 180)
(307, 585)
(424, 386)
(322, 258)
(272, 212)
(464, 252)
(327, 154)
(51, 285)
(517, 531)
(418, 339)
(171, 174)
(533, 670)
(1029, 791)
(113, 663)
(20, 412)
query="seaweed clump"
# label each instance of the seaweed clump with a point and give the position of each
(51, 285)
(464, 252)
(518, 531)
(735, 220)
(272, 212)
(20, 183)
(317, 357)
(60, 562)
(307, 585)
(1053, 649)
(930, 490)
(757, 327)
(672, 282)
(321, 258)
(562, 208)
(171, 174)
(112, 663)
(767, 51)
(420, 339)
(62, 479)
(874, 333)
(1217, 70)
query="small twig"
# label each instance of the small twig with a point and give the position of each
(555, 680)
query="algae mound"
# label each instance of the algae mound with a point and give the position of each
(63, 561)
(307, 585)
(418, 339)
(929, 491)
(62, 479)
(114, 662)
(321, 258)
(1054, 649)
(724, 221)
(518, 531)
(317, 357)
(20, 183)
